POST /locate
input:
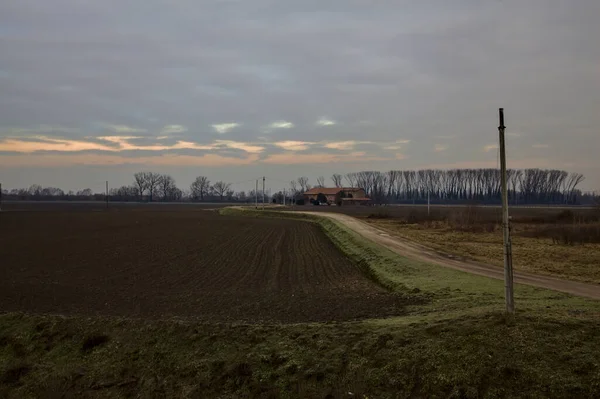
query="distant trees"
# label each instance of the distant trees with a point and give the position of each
(303, 183)
(168, 189)
(220, 188)
(337, 179)
(278, 198)
(152, 180)
(200, 188)
(140, 183)
(147, 182)
(85, 192)
(123, 193)
(293, 188)
(525, 186)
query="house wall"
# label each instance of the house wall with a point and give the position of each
(334, 198)
(355, 194)
(359, 194)
(313, 197)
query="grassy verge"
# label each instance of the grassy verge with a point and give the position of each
(530, 254)
(457, 343)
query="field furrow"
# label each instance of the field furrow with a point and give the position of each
(181, 263)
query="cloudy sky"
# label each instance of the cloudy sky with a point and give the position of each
(96, 90)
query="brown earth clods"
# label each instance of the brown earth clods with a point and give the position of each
(183, 263)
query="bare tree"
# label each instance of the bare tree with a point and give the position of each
(35, 190)
(200, 187)
(185, 194)
(52, 192)
(320, 181)
(573, 180)
(337, 179)
(167, 187)
(230, 194)
(303, 182)
(87, 192)
(351, 178)
(294, 188)
(220, 188)
(140, 183)
(152, 180)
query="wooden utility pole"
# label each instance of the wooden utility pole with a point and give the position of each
(263, 206)
(107, 194)
(256, 194)
(0, 196)
(508, 270)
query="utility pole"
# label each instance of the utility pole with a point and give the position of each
(256, 194)
(263, 206)
(428, 202)
(0, 196)
(508, 270)
(107, 194)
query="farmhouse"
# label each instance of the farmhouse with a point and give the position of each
(337, 195)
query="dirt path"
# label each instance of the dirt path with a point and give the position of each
(420, 252)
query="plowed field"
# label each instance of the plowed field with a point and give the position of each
(180, 263)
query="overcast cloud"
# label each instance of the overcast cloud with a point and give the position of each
(97, 90)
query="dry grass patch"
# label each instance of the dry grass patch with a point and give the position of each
(530, 254)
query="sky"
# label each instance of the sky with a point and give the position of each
(234, 90)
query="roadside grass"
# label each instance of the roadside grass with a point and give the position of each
(456, 343)
(530, 254)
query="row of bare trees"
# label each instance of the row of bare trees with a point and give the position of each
(146, 186)
(153, 186)
(526, 186)
(37, 192)
(455, 185)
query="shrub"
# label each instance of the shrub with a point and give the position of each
(567, 234)
(464, 218)
(565, 216)
(379, 215)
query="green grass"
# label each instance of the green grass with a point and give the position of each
(530, 254)
(488, 355)
(456, 343)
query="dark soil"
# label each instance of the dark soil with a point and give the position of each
(180, 262)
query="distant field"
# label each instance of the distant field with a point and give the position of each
(179, 262)
(539, 214)
(99, 205)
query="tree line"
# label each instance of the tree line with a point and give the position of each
(525, 186)
(146, 186)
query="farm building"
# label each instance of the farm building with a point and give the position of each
(337, 195)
